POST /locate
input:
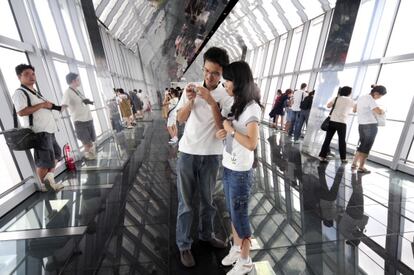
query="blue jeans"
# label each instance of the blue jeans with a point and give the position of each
(295, 116)
(237, 187)
(303, 118)
(195, 172)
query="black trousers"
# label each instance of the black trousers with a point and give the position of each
(341, 129)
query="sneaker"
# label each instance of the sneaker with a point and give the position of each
(90, 156)
(50, 183)
(241, 267)
(296, 141)
(232, 257)
(187, 258)
(344, 161)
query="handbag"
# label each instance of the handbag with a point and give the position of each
(20, 139)
(380, 119)
(325, 123)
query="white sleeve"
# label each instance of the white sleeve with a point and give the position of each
(372, 104)
(183, 101)
(65, 99)
(19, 100)
(225, 104)
(253, 114)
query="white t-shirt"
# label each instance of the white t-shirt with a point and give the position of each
(298, 97)
(199, 136)
(236, 157)
(342, 109)
(78, 110)
(43, 120)
(365, 105)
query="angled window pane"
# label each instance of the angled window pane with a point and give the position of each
(360, 32)
(384, 28)
(69, 27)
(291, 13)
(259, 62)
(9, 60)
(312, 8)
(312, 43)
(8, 26)
(8, 171)
(263, 88)
(49, 26)
(394, 77)
(279, 55)
(286, 83)
(269, 58)
(399, 44)
(85, 34)
(62, 69)
(293, 51)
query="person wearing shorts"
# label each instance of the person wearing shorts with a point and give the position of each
(43, 125)
(79, 110)
(367, 110)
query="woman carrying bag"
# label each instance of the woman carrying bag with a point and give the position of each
(341, 107)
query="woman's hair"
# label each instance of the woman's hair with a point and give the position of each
(378, 89)
(344, 91)
(279, 91)
(311, 93)
(244, 90)
(288, 91)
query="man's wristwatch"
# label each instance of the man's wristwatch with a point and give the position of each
(233, 133)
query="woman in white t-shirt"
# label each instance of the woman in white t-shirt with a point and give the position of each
(342, 106)
(240, 135)
(172, 100)
(367, 110)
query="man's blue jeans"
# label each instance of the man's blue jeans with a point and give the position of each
(195, 172)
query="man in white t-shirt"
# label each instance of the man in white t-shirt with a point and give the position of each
(81, 115)
(200, 150)
(38, 116)
(298, 97)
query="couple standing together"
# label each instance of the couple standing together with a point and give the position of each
(203, 108)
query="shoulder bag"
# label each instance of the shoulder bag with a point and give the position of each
(20, 139)
(325, 123)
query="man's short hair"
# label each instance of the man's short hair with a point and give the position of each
(70, 77)
(217, 55)
(20, 68)
(303, 86)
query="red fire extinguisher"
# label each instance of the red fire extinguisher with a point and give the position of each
(69, 160)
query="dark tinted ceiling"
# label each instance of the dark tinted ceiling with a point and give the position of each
(167, 33)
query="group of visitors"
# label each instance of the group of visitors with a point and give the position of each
(36, 113)
(296, 105)
(169, 109)
(369, 114)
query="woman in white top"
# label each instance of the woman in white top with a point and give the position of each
(172, 101)
(342, 106)
(367, 110)
(240, 134)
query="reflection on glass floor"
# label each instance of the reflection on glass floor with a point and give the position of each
(114, 152)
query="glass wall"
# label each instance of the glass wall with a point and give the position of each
(52, 36)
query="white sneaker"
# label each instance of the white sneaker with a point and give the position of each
(90, 156)
(50, 183)
(232, 257)
(241, 267)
